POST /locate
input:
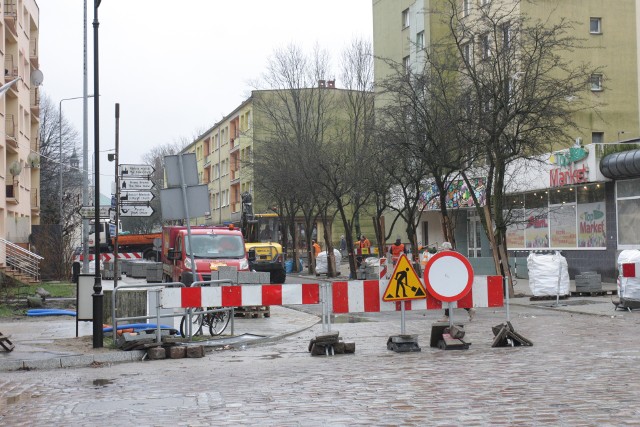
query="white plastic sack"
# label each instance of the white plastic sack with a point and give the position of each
(544, 271)
(322, 263)
(628, 287)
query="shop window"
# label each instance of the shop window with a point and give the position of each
(628, 206)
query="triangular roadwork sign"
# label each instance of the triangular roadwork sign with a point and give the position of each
(404, 283)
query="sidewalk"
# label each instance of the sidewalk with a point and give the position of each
(50, 342)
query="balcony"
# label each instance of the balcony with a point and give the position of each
(34, 105)
(33, 51)
(234, 145)
(10, 133)
(35, 202)
(11, 18)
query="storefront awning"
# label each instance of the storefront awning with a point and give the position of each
(625, 164)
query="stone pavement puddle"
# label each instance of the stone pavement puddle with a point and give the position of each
(349, 319)
(100, 382)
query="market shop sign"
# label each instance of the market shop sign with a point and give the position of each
(568, 171)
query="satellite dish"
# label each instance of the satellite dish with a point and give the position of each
(36, 77)
(33, 160)
(15, 168)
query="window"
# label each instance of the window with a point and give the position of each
(596, 82)
(595, 25)
(597, 137)
(405, 18)
(466, 53)
(420, 40)
(484, 2)
(485, 45)
(406, 62)
(466, 7)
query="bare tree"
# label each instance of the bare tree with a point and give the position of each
(54, 238)
(519, 92)
(293, 117)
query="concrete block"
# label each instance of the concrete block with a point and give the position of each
(214, 275)
(42, 363)
(156, 353)
(247, 277)
(228, 273)
(265, 278)
(10, 365)
(195, 351)
(176, 352)
(75, 361)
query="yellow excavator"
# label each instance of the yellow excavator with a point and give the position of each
(262, 236)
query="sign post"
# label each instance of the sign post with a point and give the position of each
(404, 285)
(448, 276)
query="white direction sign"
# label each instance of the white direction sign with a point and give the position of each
(136, 184)
(136, 196)
(89, 212)
(134, 210)
(135, 170)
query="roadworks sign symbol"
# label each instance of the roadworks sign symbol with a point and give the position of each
(405, 283)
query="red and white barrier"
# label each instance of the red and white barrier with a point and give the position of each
(106, 257)
(240, 296)
(365, 296)
(630, 269)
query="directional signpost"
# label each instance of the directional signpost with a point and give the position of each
(135, 170)
(89, 212)
(136, 210)
(127, 197)
(127, 184)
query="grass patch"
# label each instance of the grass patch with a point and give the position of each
(56, 289)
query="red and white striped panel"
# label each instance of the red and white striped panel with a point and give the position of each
(383, 268)
(240, 296)
(365, 296)
(630, 269)
(109, 256)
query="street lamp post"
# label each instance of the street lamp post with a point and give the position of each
(60, 147)
(97, 284)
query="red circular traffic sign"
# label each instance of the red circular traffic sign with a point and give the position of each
(448, 276)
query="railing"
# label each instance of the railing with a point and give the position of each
(21, 260)
(34, 199)
(10, 71)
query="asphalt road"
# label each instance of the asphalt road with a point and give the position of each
(581, 371)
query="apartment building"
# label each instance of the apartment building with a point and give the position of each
(19, 108)
(223, 155)
(607, 39)
(566, 202)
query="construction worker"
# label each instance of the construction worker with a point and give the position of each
(396, 250)
(363, 243)
(316, 248)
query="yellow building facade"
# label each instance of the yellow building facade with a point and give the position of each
(607, 39)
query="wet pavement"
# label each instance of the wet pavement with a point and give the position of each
(579, 372)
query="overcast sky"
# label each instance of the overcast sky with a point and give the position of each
(177, 67)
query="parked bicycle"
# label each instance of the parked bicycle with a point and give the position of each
(216, 321)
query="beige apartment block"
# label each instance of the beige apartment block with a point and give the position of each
(19, 108)
(608, 40)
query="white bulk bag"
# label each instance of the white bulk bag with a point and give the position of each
(544, 271)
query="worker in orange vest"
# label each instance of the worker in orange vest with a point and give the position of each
(316, 247)
(396, 250)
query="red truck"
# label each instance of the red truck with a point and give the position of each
(212, 247)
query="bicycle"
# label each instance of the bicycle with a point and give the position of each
(216, 321)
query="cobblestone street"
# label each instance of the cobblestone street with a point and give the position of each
(581, 371)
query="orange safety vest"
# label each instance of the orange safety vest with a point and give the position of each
(396, 251)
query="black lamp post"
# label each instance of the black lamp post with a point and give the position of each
(97, 284)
